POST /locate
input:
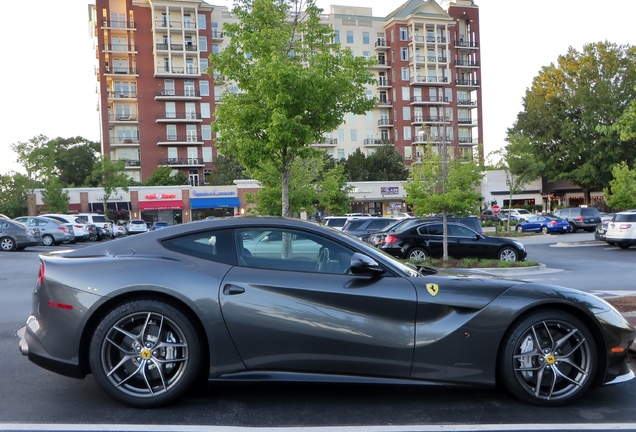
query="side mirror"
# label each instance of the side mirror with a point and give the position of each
(364, 265)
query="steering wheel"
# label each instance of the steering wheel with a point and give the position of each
(323, 260)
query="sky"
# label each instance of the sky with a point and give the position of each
(50, 88)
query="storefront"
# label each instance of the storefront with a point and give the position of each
(161, 204)
(217, 201)
(118, 204)
(385, 198)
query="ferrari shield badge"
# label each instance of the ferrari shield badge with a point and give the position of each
(433, 289)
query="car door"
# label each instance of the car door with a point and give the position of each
(285, 315)
(533, 224)
(461, 242)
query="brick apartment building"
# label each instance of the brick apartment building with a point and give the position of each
(156, 101)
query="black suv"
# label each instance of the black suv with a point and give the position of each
(585, 218)
(362, 227)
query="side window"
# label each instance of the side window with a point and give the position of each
(436, 229)
(459, 231)
(290, 250)
(215, 245)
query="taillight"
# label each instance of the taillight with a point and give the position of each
(63, 229)
(553, 223)
(580, 218)
(624, 226)
(390, 239)
(40, 279)
(78, 226)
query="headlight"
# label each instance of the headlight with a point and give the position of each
(519, 245)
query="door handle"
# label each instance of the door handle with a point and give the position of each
(230, 289)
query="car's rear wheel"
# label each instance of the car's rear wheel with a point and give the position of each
(520, 229)
(548, 358)
(572, 227)
(145, 353)
(417, 254)
(508, 254)
(544, 230)
(48, 240)
(623, 245)
(7, 244)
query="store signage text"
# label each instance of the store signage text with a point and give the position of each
(356, 190)
(214, 192)
(110, 198)
(393, 190)
(161, 196)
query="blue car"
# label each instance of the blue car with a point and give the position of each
(158, 225)
(544, 224)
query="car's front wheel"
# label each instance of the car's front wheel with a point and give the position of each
(519, 229)
(7, 244)
(417, 254)
(544, 230)
(508, 254)
(47, 240)
(548, 358)
(145, 353)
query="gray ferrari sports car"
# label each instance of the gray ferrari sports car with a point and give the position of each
(280, 299)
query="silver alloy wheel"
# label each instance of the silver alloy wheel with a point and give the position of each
(544, 230)
(520, 229)
(7, 244)
(47, 240)
(508, 254)
(553, 360)
(417, 254)
(144, 354)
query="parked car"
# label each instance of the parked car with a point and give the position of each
(600, 233)
(119, 229)
(83, 230)
(585, 218)
(53, 232)
(377, 238)
(471, 222)
(424, 240)
(362, 227)
(158, 225)
(338, 222)
(544, 224)
(622, 229)
(101, 221)
(15, 235)
(519, 214)
(606, 217)
(403, 215)
(349, 313)
(136, 226)
(489, 215)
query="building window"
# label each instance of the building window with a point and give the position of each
(206, 132)
(368, 94)
(354, 135)
(203, 43)
(407, 133)
(406, 94)
(366, 54)
(405, 74)
(204, 65)
(341, 135)
(350, 36)
(215, 48)
(188, 88)
(404, 53)
(207, 154)
(204, 88)
(201, 21)
(171, 131)
(215, 30)
(191, 133)
(205, 110)
(365, 38)
(403, 34)
(408, 153)
(341, 154)
(336, 36)
(406, 113)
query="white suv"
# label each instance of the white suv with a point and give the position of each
(621, 230)
(99, 220)
(82, 229)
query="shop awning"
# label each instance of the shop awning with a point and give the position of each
(161, 205)
(205, 203)
(112, 206)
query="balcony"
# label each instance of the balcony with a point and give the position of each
(465, 44)
(428, 100)
(186, 94)
(119, 70)
(326, 142)
(428, 80)
(467, 63)
(119, 48)
(467, 82)
(118, 24)
(187, 139)
(187, 71)
(382, 44)
(466, 102)
(124, 142)
(373, 142)
(179, 117)
(217, 36)
(123, 117)
(385, 103)
(382, 64)
(163, 25)
(467, 140)
(463, 121)
(112, 94)
(385, 122)
(131, 163)
(384, 82)
(184, 162)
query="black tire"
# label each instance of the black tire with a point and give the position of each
(572, 228)
(544, 230)
(611, 243)
(508, 253)
(48, 240)
(161, 333)
(519, 228)
(546, 337)
(7, 244)
(623, 245)
(417, 254)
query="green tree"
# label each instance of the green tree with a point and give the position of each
(386, 164)
(35, 158)
(226, 170)
(356, 167)
(294, 85)
(54, 197)
(568, 111)
(621, 193)
(519, 165)
(333, 192)
(14, 189)
(443, 185)
(110, 176)
(166, 176)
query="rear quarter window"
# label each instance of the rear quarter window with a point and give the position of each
(625, 218)
(590, 212)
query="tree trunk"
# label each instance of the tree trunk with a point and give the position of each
(445, 237)
(284, 178)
